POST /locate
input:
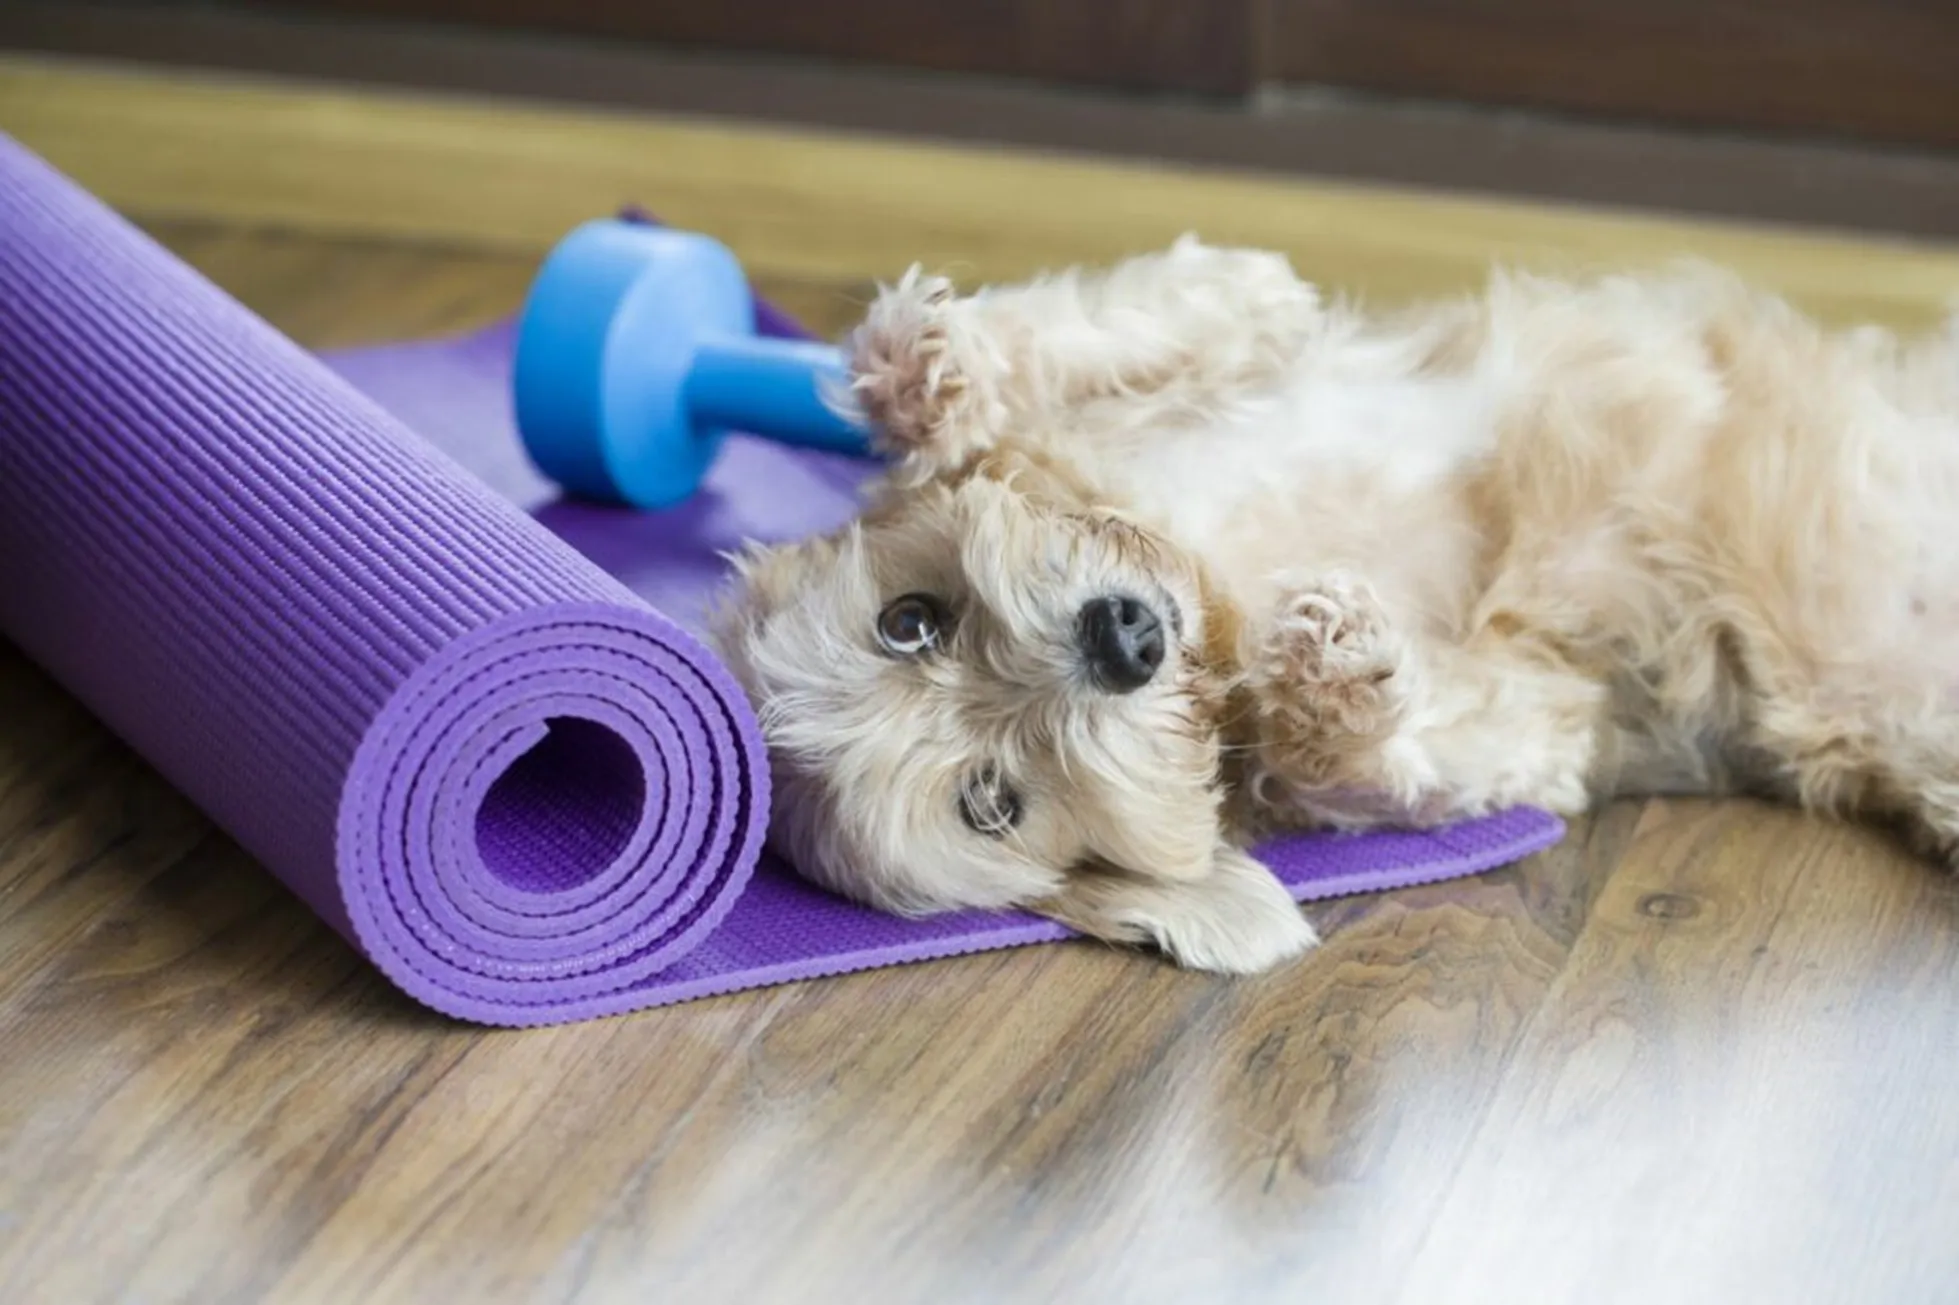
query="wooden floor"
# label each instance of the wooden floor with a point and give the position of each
(1696, 1054)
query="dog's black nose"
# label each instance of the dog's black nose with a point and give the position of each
(1122, 641)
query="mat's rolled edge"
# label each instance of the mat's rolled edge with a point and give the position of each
(428, 903)
(283, 568)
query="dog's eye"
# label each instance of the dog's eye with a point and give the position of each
(910, 625)
(988, 804)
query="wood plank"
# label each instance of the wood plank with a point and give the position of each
(833, 208)
(1723, 1096)
(1875, 69)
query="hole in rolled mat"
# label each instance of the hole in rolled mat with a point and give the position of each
(564, 810)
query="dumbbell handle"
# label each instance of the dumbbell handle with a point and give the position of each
(774, 388)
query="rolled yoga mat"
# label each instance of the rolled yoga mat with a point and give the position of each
(470, 725)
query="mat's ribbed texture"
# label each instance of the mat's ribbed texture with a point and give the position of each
(332, 639)
(467, 724)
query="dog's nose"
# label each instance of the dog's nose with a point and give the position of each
(1122, 641)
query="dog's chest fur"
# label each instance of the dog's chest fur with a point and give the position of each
(1354, 472)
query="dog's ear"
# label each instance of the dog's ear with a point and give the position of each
(760, 577)
(1237, 919)
(762, 581)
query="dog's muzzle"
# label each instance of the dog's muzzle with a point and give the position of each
(1121, 641)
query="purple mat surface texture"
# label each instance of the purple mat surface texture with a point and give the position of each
(471, 725)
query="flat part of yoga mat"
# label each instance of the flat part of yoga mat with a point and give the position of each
(466, 724)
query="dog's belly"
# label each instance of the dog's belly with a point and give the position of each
(1797, 577)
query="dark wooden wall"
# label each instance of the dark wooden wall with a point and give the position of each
(1883, 69)
(1877, 70)
(1193, 46)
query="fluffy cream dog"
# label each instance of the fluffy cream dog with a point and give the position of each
(1177, 554)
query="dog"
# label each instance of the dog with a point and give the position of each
(1179, 553)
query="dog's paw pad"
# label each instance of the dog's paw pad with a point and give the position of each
(904, 361)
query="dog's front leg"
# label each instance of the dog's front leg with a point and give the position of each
(1359, 725)
(943, 377)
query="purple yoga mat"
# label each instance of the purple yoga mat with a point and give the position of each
(470, 725)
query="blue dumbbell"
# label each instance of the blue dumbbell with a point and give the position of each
(637, 354)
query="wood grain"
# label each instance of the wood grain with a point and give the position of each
(1696, 1053)
(1875, 69)
(1718, 1063)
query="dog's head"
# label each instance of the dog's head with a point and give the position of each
(988, 692)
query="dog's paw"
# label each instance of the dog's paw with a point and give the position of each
(905, 362)
(1329, 658)
(1214, 318)
(1256, 290)
(1236, 920)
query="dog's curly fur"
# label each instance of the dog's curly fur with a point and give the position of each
(1554, 542)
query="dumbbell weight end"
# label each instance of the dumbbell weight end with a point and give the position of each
(636, 354)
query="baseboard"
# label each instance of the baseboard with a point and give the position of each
(1826, 186)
